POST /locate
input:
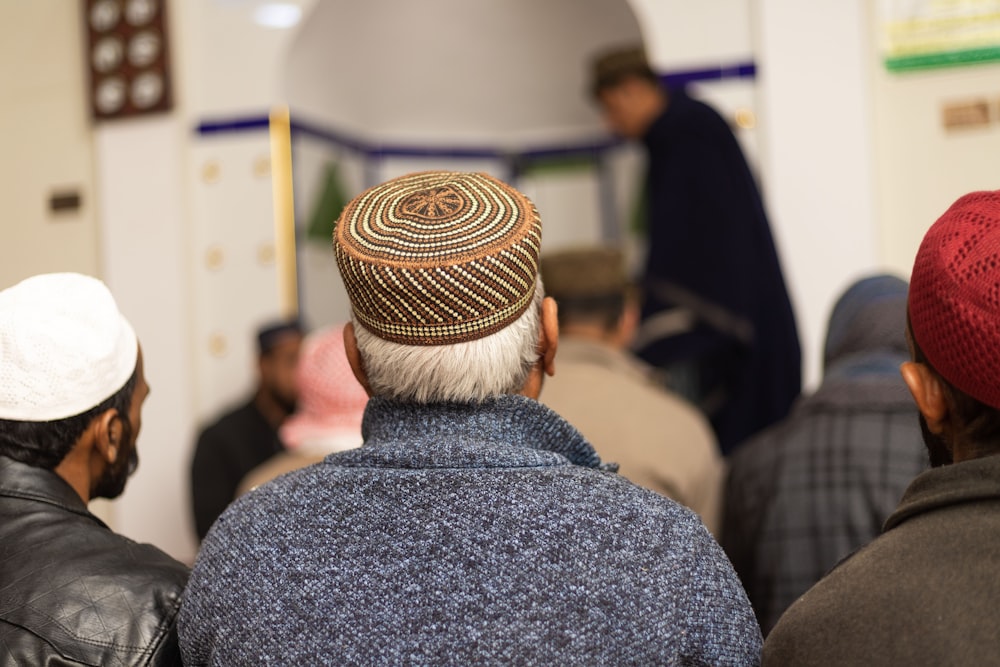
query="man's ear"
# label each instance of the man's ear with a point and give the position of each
(927, 392)
(628, 323)
(548, 341)
(98, 447)
(354, 357)
(108, 435)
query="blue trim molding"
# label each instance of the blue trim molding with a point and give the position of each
(587, 148)
(680, 78)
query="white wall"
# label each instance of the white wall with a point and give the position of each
(45, 135)
(496, 73)
(236, 66)
(144, 249)
(680, 34)
(814, 93)
(233, 265)
(922, 167)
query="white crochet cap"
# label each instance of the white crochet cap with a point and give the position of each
(64, 347)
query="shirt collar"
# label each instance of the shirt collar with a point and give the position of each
(508, 431)
(20, 480)
(954, 484)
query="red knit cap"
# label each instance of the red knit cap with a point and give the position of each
(955, 296)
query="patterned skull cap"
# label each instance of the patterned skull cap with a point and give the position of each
(437, 258)
(954, 298)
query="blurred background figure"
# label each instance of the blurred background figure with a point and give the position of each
(328, 416)
(715, 314)
(246, 436)
(658, 440)
(809, 491)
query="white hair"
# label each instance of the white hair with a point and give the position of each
(468, 372)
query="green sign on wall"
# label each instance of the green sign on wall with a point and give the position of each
(923, 34)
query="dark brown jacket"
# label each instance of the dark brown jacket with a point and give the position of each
(926, 592)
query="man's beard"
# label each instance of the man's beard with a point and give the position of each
(112, 482)
(937, 449)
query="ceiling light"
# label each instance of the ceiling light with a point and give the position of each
(277, 15)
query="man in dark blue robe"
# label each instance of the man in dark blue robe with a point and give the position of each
(716, 314)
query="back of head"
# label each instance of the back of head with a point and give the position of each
(612, 67)
(588, 283)
(271, 334)
(66, 354)
(442, 270)
(954, 308)
(331, 401)
(869, 317)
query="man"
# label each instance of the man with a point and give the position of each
(330, 407)
(925, 591)
(658, 440)
(71, 390)
(807, 492)
(247, 436)
(474, 525)
(716, 314)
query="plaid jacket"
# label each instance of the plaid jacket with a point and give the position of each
(808, 492)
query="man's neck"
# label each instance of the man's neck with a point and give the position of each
(656, 106)
(74, 470)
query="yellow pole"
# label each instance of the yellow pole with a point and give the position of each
(284, 211)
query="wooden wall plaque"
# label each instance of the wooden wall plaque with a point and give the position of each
(127, 57)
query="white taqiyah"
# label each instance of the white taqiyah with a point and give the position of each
(64, 347)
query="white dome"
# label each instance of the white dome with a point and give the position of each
(457, 72)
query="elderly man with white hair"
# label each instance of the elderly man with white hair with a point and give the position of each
(474, 525)
(72, 386)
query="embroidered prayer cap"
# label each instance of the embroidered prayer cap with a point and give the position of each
(437, 258)
(64, 347)
(331, 400)
(954, 299)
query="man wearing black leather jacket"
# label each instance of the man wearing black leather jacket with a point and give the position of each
(72, 592)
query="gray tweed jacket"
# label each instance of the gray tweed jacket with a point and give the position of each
(461, 534)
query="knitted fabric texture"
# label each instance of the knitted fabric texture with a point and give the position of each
(64, 347)
(331, 400)
(955, 296)
(463, 535)
(437, 258)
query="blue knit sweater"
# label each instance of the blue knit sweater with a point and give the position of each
(460, 534)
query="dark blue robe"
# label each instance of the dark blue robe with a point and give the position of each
(710, 250)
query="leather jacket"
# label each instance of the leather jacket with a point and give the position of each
(72, 592)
